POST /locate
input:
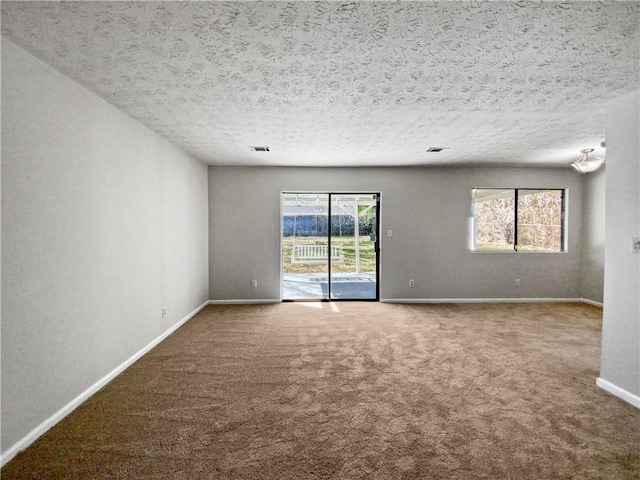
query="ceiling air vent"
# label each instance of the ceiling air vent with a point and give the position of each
(259, 149)
(436, 149)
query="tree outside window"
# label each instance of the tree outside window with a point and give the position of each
(523, 220)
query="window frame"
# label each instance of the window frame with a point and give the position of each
(563, 222)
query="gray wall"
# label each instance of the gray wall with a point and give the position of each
(428, 210)
(620, 364)
(593, 235)
(103, 223)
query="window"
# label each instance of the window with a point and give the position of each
(521, 220)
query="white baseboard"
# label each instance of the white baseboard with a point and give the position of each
(41, 429)
(244, 301)
(250, 301)
(619, 392)
(478, 300)
(592, 302)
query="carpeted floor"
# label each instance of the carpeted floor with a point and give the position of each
(355, 391)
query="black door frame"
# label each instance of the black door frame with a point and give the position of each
(329, 236)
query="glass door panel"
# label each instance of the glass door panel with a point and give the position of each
(305, 246)
(354, 247)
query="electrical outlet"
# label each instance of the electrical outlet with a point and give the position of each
(517, 282)
(254, 283)
(164, 312)
(412, 283)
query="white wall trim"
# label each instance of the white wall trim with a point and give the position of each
(244, 301)
(424, 300)
(479, 300)
(41, 429)
(618, 392)
(592, 302)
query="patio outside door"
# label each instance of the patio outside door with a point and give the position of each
(354, 262)
(330, 246)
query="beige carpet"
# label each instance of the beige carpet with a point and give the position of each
(355, 391)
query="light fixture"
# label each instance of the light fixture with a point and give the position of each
(588, 163)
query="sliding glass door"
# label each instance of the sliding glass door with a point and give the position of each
(330, 246)
(305, 261)
(354, 259)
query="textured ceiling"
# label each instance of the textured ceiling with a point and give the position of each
(364, 83)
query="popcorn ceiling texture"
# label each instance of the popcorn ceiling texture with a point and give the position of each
(333, 83)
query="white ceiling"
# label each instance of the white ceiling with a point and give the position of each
(349, 84)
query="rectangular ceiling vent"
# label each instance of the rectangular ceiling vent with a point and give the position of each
(436, 149)
(259, 149)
